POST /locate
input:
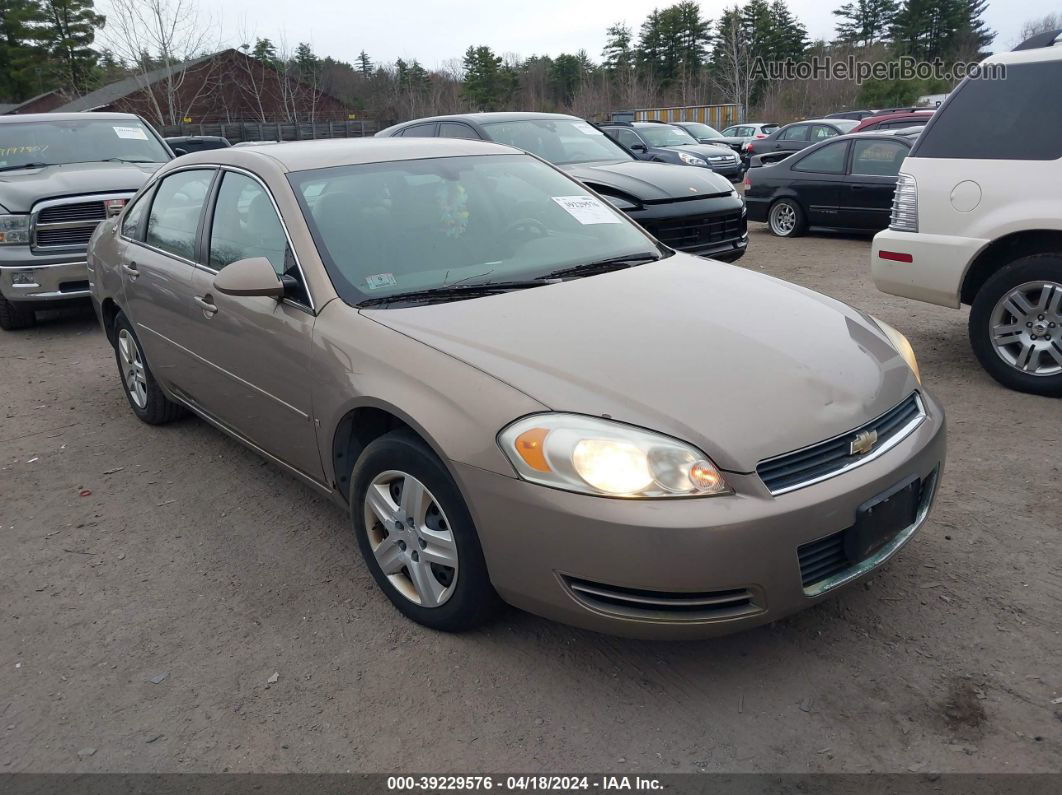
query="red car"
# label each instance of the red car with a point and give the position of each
(891, 121)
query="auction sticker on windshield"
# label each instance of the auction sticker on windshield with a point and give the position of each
(135, 133)
(586, 209)
(587, 129)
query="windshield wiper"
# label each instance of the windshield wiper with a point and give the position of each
(25, 165)
(452, 291)
(603, 266)
(120, 160)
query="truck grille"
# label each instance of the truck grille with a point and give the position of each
(824, 460)
(698, 231)
(69, 224)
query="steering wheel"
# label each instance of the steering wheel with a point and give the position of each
(529, 225)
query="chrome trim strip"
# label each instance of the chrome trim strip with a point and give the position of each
(886, 552)
(233, 376)
(877, 452)
(53, 295)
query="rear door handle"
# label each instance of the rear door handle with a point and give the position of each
(206, 304)
(858, 187)
(130, 270)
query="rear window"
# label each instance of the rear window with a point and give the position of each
(1016, 118)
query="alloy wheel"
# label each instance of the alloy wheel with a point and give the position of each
(411, 538)
(1026, 328)
(133, 368)
(783, 219)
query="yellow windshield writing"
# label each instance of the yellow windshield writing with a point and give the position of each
(22, 150)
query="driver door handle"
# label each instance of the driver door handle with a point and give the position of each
(130, 270)
(206, 304)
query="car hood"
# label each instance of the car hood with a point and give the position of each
(649, 182)
(20, 190)
(740, 364)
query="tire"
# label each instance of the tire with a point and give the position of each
(786, 218)
(443, 597)
(1024, 301)
(14, 317)
(146, 398)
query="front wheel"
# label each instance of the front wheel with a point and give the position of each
(786, 218)
(145, 396)
(1016, 325)
(417, 537)
(14, 317)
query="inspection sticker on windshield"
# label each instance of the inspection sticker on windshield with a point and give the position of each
(378, 280)
(586, 129)
(586, 209)
(135, 133)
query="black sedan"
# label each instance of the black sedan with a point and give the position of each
(845, 183)
(690, 209)
(798, 135)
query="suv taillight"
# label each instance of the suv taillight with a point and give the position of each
(905, 205)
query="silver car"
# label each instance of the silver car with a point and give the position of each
(515, 393)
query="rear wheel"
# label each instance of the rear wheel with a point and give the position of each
(786, 218)
(1016, 325)
(14, 317)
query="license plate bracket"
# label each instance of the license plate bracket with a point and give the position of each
(879, 519)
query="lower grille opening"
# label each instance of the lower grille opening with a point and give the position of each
(698, 231)
(665, 605)
(73, 287)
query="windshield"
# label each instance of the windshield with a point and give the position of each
(844, 125)
(82, 141)
(389, 228)
(560, 141)
(666, 135)
(698, 130)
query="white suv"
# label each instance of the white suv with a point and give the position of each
(977, 216)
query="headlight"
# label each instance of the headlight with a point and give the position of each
(605, 458)
(692, 160)
(14, 230)
(902, 346)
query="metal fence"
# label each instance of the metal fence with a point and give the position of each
(236, 132)
(717, 116)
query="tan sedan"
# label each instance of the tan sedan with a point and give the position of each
(515, 392)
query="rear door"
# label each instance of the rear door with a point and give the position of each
(866, 198)
(157, 252)
(457, 129)
(255, 350)
(789, 140)
(819, 176)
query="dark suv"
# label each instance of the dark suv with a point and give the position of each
(669, 143)
(692, 210)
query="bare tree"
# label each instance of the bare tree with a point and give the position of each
(1044, 24)
(735, 65)
(153, 35)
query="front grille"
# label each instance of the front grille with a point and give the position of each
(665, 605)
(811, 464)
(83, 211)
(64, 236)
(722, 159)
(698, 231)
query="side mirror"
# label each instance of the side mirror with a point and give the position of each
(253, 276)
(638, 148)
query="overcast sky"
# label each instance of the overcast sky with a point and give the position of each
(435, 32)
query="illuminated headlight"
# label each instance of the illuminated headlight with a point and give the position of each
(14, 230)
(606, 458)
(692, 160)
(902, 346)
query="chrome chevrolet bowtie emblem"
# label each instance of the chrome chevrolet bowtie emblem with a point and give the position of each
(863, 443)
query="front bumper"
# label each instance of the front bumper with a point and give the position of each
(732, 172)
(550, 552)
(937, 268)
(30, 278)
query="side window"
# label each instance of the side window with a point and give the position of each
(628, 138)
(175, 211)
(132, 221)
(798, 132)
(827, 160)
(731, 132)
(420, 131)
(453, 129)
(820, 132)
(877, 158)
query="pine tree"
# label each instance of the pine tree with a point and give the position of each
(23, 65)
(265, 50)
(788, 37)
(364, 64)
(617, 57)
(865, 22)
(70, 28)
(307, 64)
(484, 85)
(945, 29)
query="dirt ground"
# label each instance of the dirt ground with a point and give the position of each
(200, 610)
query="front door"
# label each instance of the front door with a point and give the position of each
(868, 189)
(157, 251)
(821, 175)
(256, 350)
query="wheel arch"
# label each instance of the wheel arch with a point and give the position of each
(109, 310)
(1003, 251)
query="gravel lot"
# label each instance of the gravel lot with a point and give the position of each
(200, 610)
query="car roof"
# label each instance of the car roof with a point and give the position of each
(327, 153)
(28, 117)
(486, 118)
